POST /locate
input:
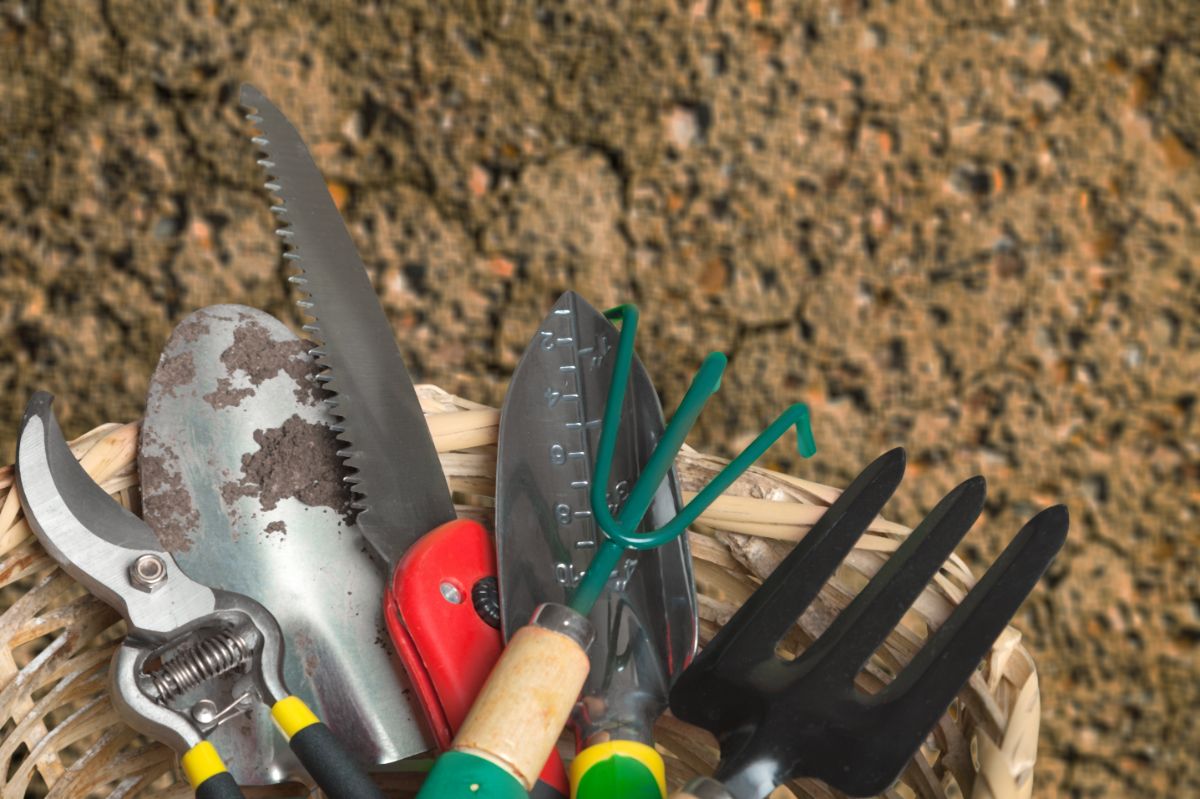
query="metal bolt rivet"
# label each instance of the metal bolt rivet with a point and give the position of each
(204, 711)
(148, 572)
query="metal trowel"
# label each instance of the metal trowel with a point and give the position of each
(241, 483)
(546, 538)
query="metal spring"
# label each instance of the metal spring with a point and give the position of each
(205, 660)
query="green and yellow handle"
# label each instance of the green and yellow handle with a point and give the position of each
(628, 769)
(332, 768)
(520, 712)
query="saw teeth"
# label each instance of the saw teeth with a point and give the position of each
(351, 457)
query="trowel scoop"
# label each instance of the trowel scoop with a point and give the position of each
(546, 535)
(241, 482)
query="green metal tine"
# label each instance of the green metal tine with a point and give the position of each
(621, 533)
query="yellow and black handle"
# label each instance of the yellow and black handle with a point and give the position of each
(206, 773)
(333, 769)
(335, 772)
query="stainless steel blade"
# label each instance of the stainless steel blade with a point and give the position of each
(399, 481)
(92, 537)
(546, 536)
(240, 483)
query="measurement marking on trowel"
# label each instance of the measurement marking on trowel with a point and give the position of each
(576, 512)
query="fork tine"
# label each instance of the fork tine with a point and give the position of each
(923, 690)
(751, 635)
(862, 627)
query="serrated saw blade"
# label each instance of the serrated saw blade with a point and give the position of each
(401, 490)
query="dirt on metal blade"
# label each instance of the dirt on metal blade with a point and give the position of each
(241, 485)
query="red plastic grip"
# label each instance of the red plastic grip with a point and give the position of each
(447, 649)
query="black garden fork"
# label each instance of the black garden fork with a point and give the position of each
(777, 720)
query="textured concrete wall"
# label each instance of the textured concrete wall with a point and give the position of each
(971, 229)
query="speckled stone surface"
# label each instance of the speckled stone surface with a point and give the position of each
(968, 228)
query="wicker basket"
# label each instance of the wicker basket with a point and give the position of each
(60, 726)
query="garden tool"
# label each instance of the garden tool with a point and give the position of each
(444, 616)
(236, 445)
(546, 536)
(525, 702)
(400, 490)
(777, 720)
(182, 634)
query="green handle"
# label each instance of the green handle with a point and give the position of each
(460, 775)
(628, 769)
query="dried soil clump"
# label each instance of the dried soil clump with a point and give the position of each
(296, 460)
(176, 372)
(171, 515)
(225, 395)
(261, 357)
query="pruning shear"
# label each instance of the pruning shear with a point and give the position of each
(185, 639)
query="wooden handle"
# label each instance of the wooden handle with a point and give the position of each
(523, 706)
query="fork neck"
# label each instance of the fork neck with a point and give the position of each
(703, 788)
(749, 780)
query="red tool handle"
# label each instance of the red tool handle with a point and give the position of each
(445, 644)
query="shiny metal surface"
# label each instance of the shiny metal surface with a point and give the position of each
(399, 480)
(96, 541)
(705, 788)
(546, 537)
(92, 537)
(565, 621)
(234, 385)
